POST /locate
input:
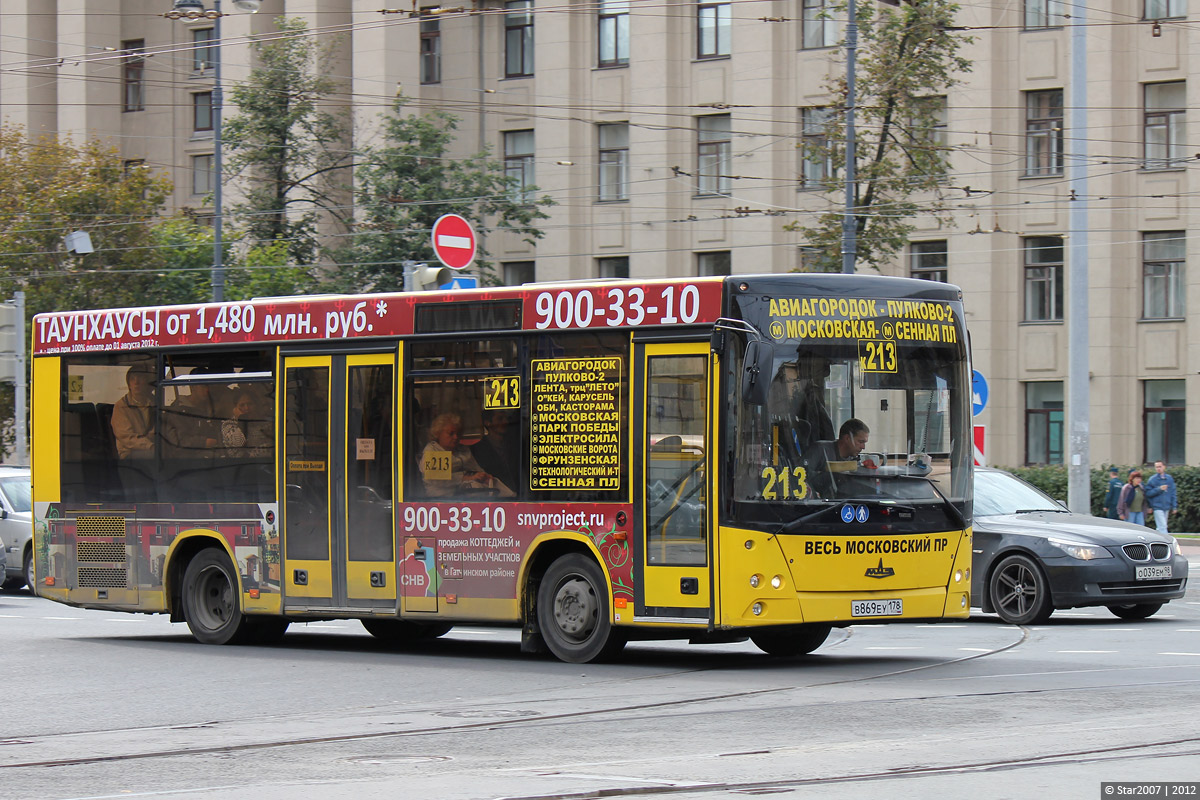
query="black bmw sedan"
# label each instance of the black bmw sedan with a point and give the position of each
(1032, 556)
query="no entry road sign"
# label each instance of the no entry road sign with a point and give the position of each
(454, 241)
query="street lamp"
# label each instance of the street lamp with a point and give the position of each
(194, 10)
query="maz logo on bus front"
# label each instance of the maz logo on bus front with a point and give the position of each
(616, 306)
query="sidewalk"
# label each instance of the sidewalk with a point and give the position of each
(1189, 543)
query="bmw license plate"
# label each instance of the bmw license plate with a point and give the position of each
(1152, 573)
(876, 608)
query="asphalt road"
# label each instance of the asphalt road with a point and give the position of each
(102, 705)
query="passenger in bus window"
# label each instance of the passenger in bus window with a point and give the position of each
(497, 452)
(190, 425)
(133, 415)
(813, 422)
(243, 434)
(447, 467)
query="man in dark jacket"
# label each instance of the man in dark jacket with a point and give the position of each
(1160, 496)
(1113, 495)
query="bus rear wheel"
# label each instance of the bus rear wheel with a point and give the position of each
(210, 601)
(572, 611)
(792, 642)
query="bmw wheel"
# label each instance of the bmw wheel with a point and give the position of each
(1019, 591)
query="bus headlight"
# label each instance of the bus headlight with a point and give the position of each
(757, 608)
(958, 576)
(754, 581)
(776, 582)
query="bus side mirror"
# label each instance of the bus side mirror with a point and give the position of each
(756, 377)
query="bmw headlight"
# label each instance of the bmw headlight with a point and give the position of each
(1175, 546)
(1084, 551)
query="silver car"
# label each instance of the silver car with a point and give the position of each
(16, 527)
(1032, 556)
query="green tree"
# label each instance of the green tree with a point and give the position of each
(264, 272)
(49, 188)
(410, 180)
(290, 150)
(908, 57)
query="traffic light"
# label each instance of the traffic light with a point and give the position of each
(426, 276)
(12, 337)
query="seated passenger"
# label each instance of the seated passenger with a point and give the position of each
(497, 453)
(447, 467)
(243, 435)
(133, 415)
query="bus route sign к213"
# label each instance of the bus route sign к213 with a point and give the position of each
(454, 241)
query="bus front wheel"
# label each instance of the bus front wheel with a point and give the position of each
(402, 631)
(572, 611)
(210, 601)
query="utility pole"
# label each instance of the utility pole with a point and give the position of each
(849, 226)
(1079, 492)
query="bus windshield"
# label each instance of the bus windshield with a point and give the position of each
(860, 415)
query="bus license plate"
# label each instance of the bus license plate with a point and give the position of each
(876, 608)
(1152, 573)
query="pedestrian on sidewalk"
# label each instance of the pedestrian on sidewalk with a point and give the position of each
(1113, 495)
(1160, 496)
(1132, 504)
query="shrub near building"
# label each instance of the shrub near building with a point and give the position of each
(1052, 479)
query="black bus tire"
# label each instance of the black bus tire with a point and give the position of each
(211, 605)
(572, 611)
(793, 642)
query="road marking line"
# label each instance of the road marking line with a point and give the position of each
(1179, 654)
(893, 648)
(975, 649)
(1087, 651)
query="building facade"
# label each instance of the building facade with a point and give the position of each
(671, 136)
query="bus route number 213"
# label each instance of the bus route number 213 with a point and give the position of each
(785, 483)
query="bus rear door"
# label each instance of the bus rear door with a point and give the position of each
(339, 429)
(673, 429)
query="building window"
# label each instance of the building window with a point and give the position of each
(614, 161)
(133, 75)
(1043, 278)
(816, 159)
(1164, 418)
(613, 33)
(713, 154)
(203, 175)
(204, 53)
(819, 28)
(1044, 422)
(1164, 125)
(1044, 14)
(718, 263)
(518, 164)
(202, 111)
(713, 28)
(518, 272)
(431, 48)
(1044, 133)
(617, 267)
(1162, 275)
(927, 260)
(518, 38)
(928, 124)
(1166, 9)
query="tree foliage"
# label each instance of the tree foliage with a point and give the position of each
(49, 188)
(908, 57)
(290, 151)
(408, 181)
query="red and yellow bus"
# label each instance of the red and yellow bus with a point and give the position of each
(592, 462)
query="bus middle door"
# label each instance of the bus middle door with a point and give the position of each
(673, 456)
(338, 546)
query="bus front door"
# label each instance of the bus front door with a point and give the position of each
(673, 387)
(338, 547)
